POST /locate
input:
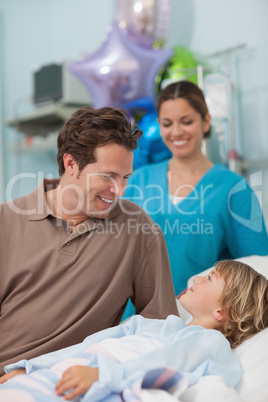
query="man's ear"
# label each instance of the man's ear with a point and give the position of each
(219, 315)
(69, 164)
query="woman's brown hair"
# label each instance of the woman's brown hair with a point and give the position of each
(190, 92)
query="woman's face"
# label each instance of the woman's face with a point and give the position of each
(182, 128)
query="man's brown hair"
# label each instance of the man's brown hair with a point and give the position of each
(89, 128)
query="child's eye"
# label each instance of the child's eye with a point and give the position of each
(209, 278)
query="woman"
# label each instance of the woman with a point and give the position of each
(230, 303)
(206, 212)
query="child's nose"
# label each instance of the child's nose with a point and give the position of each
(197, 279)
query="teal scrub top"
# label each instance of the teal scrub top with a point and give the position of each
(220, 218)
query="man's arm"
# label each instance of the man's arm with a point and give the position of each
(154, 291)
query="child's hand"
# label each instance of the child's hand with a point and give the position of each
(78, 378)
(7, 376)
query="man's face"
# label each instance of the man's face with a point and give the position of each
(99, 185)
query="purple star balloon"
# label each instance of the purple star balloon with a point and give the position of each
(120, 71)
(145, 22)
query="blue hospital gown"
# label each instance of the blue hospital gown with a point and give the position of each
(192, 351)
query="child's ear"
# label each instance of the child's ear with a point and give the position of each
(219, 315)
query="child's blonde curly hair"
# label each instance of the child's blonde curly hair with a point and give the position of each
(245, 298)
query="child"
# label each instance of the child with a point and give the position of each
(230, 303)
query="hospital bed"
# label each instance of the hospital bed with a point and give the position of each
(253, 355)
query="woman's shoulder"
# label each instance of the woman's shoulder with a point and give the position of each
(150, 173)
(159, 166)
(222, 170)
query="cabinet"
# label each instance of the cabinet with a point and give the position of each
(43, 120)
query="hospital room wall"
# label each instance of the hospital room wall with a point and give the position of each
(219, 25)
(1, 113)
(39, 32)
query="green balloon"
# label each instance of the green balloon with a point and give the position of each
(181, 66)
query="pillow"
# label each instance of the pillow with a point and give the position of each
(253, 353)
(183, 313)
(258, 262)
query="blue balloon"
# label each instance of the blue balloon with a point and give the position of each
(145, 105)
(151, 148)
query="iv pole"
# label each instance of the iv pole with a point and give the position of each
(235, 163)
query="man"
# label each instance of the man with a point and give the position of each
(72, 252)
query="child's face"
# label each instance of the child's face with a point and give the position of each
(204, 297)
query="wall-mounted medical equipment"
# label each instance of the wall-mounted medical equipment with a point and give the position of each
(55, 83)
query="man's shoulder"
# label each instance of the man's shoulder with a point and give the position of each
(26, 205)
(132, 212)
(13, 206)
(130, 208)
(124, 202)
